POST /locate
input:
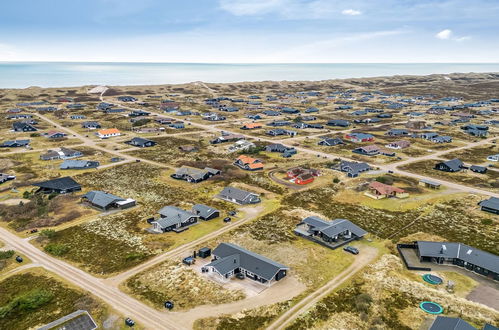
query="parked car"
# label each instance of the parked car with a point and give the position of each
(129, 322)
(232, 213)
(169, 305)
(227, 219)
(189, 260)
(351, 249)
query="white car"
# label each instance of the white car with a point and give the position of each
(493, 158)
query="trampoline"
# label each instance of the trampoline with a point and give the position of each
(432, 279)
(431, 307)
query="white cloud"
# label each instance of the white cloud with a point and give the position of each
(444, 34)
(286, 9)
(447, 34)
(255, 7)
(351, 12)
(462, 38)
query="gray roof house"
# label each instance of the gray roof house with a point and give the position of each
(490, 205)
(238, 196)
(62, 153)
(91, 125)
(106, 201)
(453, 165)
(332, 234)
(59, 186)
(330, 142)
(338, 122)
(450, 323)
(23, 127)
(74, 164)
(459, 254)
(172, 218)
(141, 142)
(15, 144)
(79, 320)
(353, 169)
(231, 259)
(205, 212)
(192, 174)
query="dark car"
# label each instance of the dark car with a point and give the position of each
(227, 219)
(129, 322)
(232, 213)
(189, 261)
(351, 249)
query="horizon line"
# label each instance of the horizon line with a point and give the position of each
(239, 63)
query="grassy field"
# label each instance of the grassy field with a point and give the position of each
(36, 298)
(40, 211)
(489, 180)
(8, 261)
(477, 155)
(181, 284)
(123, 235)
(271, 236)
(455, 219)
(386, 296)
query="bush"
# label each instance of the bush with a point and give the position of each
(336, 180)
(56, 249)
(141, 122)
(486, 221)
(28, 301)
(34, 135)
(6, 254)
(48, 233)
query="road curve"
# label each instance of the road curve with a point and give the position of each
(128, 306)
(366, 256)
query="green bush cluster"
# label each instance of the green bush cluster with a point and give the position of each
(6, 254)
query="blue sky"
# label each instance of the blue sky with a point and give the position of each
(250, 31)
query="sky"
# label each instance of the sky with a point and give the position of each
(250, 31)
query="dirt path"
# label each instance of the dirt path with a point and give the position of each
(281, 291)
(366, 255)
(486, 295)
(128, 306)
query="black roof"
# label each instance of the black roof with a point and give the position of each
(232, 256)
(460, 251)
(450, 323)
(63, 183)
(491, 203)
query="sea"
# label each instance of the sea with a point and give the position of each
(69, 74)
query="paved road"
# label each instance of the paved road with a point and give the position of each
(366, 256)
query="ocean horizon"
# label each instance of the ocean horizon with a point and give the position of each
(70, 74)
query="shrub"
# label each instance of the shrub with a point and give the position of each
(56, 249)
(28, 301)
(6, 254)
(48, 233)
(141, 122)
(336, 180)
(34, 135)
(486, 221)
